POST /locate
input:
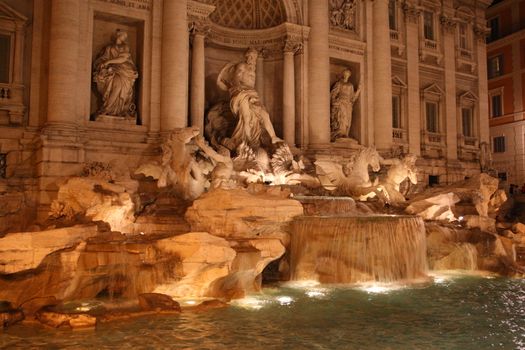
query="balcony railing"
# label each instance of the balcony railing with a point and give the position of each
(394, 35)
(398, 134)
(431, 44)
(5, 92)
(465, 54)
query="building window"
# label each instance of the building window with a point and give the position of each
(467, 122)
(428, 25)
(495, 110)
(396, 112)
(433, 180)
(5, 55)
(3, 165)
(499, 144)
(463, 36)
(494, 28)
(392, 18)
(495, 66)
(431, 109)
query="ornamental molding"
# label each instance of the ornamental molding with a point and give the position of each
(412, 12)
(197, 11)
(448, 23)
(346, 45)
(481, 31)
(271, 41)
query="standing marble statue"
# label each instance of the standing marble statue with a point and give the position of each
(253, 121)
(114, 74)
(342, 97)
(485, 157)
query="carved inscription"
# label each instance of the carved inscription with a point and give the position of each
(134, 4)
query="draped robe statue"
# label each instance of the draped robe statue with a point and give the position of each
(114, 74)
(253, 127)
(342, 98)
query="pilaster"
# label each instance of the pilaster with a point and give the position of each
(382, 67)
(319, 73)
(412, 14)
(451, 117)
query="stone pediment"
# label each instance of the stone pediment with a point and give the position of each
(396, 81)
(8, 14)
(433, 89)
(464, 13)
(468, 97)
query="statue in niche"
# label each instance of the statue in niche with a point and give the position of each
(114, 74)
(343, 15)
(399, 170)
(485, 157)
(253, 126)
(342, 97)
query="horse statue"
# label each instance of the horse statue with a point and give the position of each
(353, 179)
(400, 170)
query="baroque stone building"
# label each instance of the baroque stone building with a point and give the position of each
(506, 73)
(421, 66)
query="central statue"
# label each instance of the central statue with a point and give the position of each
(254, 127)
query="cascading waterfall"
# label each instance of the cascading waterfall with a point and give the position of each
(358, 249)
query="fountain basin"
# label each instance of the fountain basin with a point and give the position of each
(354, 249)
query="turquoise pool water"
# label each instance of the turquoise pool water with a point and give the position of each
(451, 313)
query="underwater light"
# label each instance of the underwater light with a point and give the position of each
(250, 303)
(376, 289)
(285, 300)
(315, 293)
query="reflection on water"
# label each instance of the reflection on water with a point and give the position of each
(452, 313)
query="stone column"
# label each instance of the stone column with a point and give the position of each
(481, 32)
(382, 71)
(175, 62)
(259, 78)
(64, 44)
(450, 117)
(289, 94)
(19, 54)
(197, 78)
(516, 86)
(319, 73)
(413, 93)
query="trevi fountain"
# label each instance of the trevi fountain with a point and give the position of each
(231, 237)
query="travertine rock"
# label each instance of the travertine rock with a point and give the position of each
(98, 200)
(469, 249)
(475, 192)
(157, 301)
(237, 214)
(204, 258)
(498, 199)
(438, 207)
(72, 320)
(482, 222)
(518, 228)
(9, 315)
(26, 250)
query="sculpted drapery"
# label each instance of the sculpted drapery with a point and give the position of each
(342, 97)
(114, 74)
